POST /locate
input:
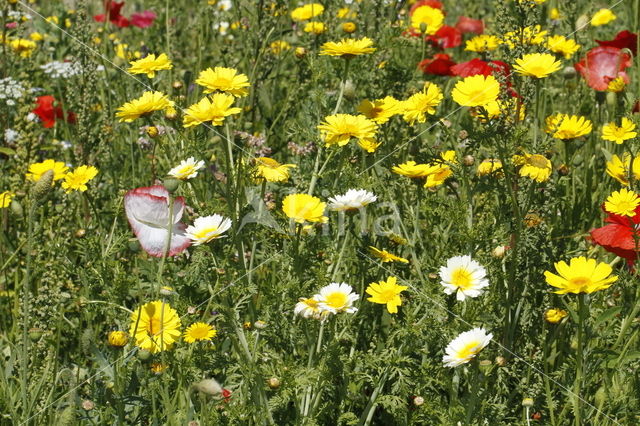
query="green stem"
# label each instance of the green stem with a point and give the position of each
(26, 292)
(579, 359)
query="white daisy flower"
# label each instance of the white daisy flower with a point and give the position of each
(352, 200)
(335, 298)
(465, 347)
(464, 276)
(187, 169)
(207, 228)
(307, 308)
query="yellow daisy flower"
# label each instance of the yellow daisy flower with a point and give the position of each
(489, 166)
(155, 326)
(214, 109)
(314, 27)
(482, 43)
(348, 48)
(619, 134)
(411, 169)
(427, 20)
(539, 65)
(304, 208)
(534, 166)
(221, 79)
(623, 203)
(36, 170)
(602, 17)
(386, 293)
(581, 275)
(554, 316)
(118, 338)
(562, 45)
(422, 103)
(440, 171)
(380, 110)
(476, 90)
(565, 126)
(199, 331)
(307, 11)
(270, 170)
(145, 104)
(150, 64)
(338, 129)
(385, 256)
(616, 85)
(527, 36)
(619, 168)
(77, 179)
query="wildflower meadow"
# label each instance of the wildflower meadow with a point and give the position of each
(340, 212)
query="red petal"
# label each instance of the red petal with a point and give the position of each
(623, 40)
(469, 25)
(446, 37)
(440, 64)
(603, 64)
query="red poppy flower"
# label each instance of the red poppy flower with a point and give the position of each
(619, 236)
(440, 64)
(446, 37)
(113, 10)
(623, 40)
(603, 64)
(48, 113)
(470, 25)
(431, 3)
(478, 66)
(144, 19)
(226, 393)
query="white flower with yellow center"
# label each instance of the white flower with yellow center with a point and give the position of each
(335, 298)
(307, 308)
(466, 346)
(187, 169)
(352, 200)
(464, 276)
(207, 228)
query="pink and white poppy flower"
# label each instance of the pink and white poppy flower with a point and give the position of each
(147, 210)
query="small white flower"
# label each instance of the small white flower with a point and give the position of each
(58, 69)
(464, 276)
(11, 135)
(187, 169)
(352, 200)
(307, 308)
(224, 5)
(465, 347)
(207, 228)
(335, 298)
(221, 27)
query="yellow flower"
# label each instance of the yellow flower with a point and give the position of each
(380, 110)
(564, 126)
(145, 104)
(626, 131)
(338, 129)
(279, 46)
(527, 36)
(534, 166)
(385, 256)
(619, 169)
(386, 293)
(5, 199)
(346, 13)
(411, 169)
(348, 48)
(623, 203)
(602, 17)
(538, 65)
(36, 170)
(150, 64)
(512, 108)
(490, 166)
(304, 208)
(349, 27)
(307, 11)
(369, 145)
(554, 316)
(562, 45)
(616, 85)
(158, 367)
(155, 326)
(315, 27)
(35, 36)
(482, 43)
(199, 331)
(214, 109)
(23, 47)
(554, 14)
(427, 20)
(118, 338)
(582, 275)
(422, 103)
(77, 179)
(476, 90)
(270, 170)
(220, 79)
(439, 171)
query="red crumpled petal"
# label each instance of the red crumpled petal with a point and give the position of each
(478, 66)
(603, 64)
(623, 40)
(470, 25)
(144, 19)
(440, 64)
(147, 210)
(446, 37)
(618, 236)
(45, 110)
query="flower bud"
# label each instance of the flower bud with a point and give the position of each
(423, 28)
(35, 334)
(300, 52)
(349, 89)
(563, 170)
(177, 85)
(88, 405)
(171, 184)
(499, 252)
(16, 208)
(612, 99)
(527, 402)
(208, 387)
(273, 383)
(80, 233)
(152, 131)
(501, 361)
(468, 160)
(118, 338)
(42, 187)
(260, 325)
(569, 72)
(349, 27)
(418, 401)
(144, 355)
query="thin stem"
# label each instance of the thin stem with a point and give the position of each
(26, 292)
(579, 359)
(167, 247)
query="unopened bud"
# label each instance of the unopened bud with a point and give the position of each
(612, 99)
(582, 22)
(468, 160)
(499, 252)
(418, 401)
(300, 52)
(88, 405)
(501, 361)
(42, 187)
(260, 325)
(463, 134)
(171, 184)
(16, 208)
(273, 383)
(35, 334)
(569, 72)
(563, 170)
(177, 85)
(208, 387)
(80, 233)
(423, 27)
(144, 355)
(527, 402)
(349, 90)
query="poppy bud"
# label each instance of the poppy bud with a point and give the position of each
(35, 334)
(171, 184)
(423, 28)
(349, 90)
(569, 72)
(612, 99)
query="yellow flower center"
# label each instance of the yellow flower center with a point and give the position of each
(461, 278)
(579, 282)
(204, 232)
(469, 349)
(155, 326)
(336, 300)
